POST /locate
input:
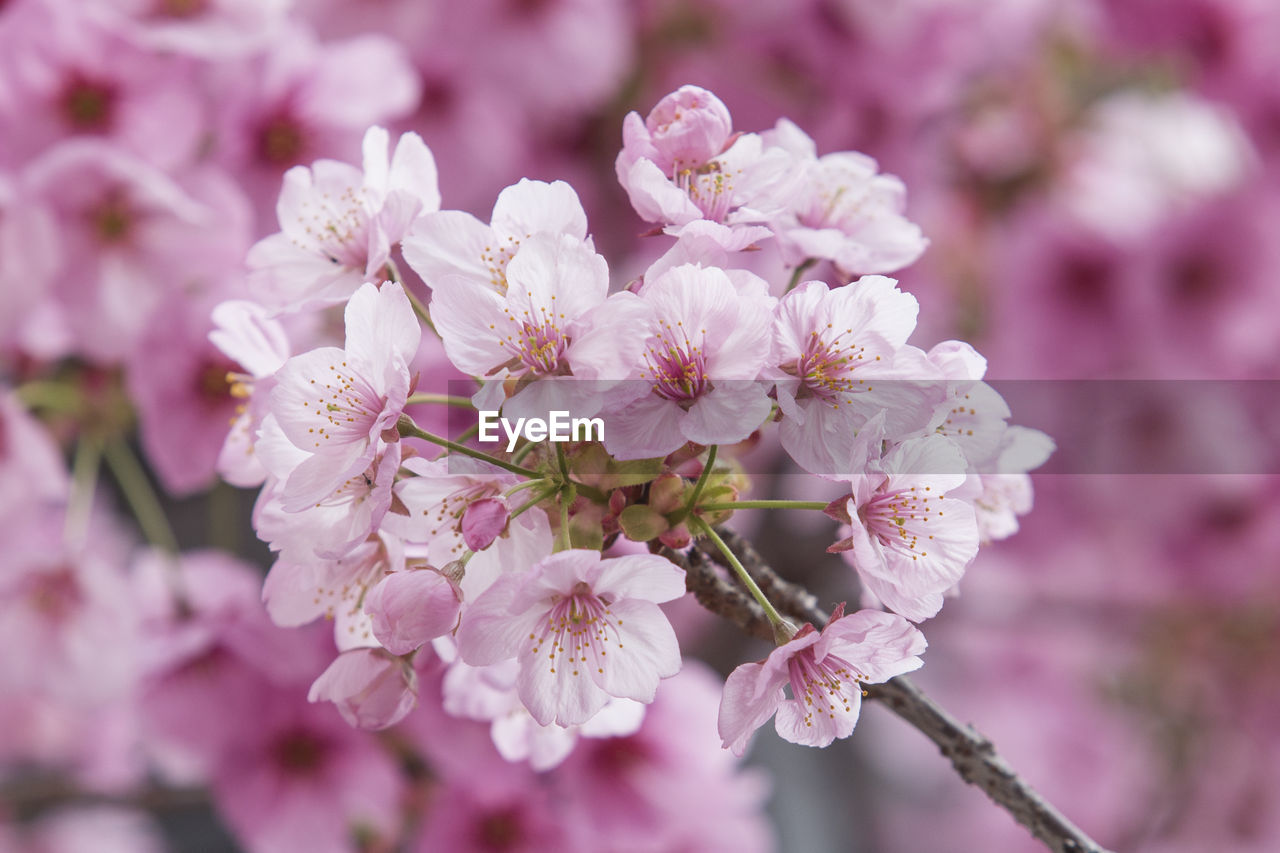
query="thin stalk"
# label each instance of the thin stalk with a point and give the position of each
(142, 499)
(702, 479)
(84, 482)
(409, 429)
(799, 271)
(442, 399)
(780, 626)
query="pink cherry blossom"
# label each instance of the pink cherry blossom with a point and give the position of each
(489, 693)
(840, 358)
(245, 333)
(133, 231)
(335, 403)
(338, 224)
(301, 100)
(844, 211)
(554, 318)
(372, 688)
(681, 164)
(203, 28)
(454, 243)
(825, 671)
(582, 628)
(435, 497)
(696, 378)
(909, 541)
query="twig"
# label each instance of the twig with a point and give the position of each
(971, 754)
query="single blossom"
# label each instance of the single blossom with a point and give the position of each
(452, 243)
(844, 210)
(825, 671)
(554, 318)
(840, 356)
(371, 688)
(697, 377)
(582, 628)
(338, 224)
(682, 164)
(908, 540)
(334, 404)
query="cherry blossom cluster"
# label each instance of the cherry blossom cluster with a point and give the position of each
(535, 574)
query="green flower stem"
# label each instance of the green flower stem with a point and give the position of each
(567, 496)
(702, 479)
(799, 271)
(442, 399)
(780, 625)
(409, 429)
(534, 501)
(141, 497)
(84, 482)
(716, 507)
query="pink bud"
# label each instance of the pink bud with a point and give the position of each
(410, 608)
(371, 688)
(688, 127)
(483, 521)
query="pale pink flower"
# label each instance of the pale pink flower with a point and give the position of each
(372, 688)
(454, 243)
(840, 357)
(582, 628)
(186, 398)
(132, 232)
(69, 77)
(332, 526)
(412, 607)
(682, 164)
(1142, 157)
(825, 671)
(844, 210)
(909, 541)
(339, 224)
(212, 29)
(245, 333)
(302, 100)
(696, 380)
(300, 591)
(435, 499)
(554, 318)
(336, 403)
(489, 694)
(302, 779)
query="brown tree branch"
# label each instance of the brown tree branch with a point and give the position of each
(971, 754)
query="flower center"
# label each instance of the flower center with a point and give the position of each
(281, 141)
(87, 105)
(710, 187)
(677, 366)
(180, 8)
(824, 688)
(337, 227)
(113, 218)
(345, 405)
(577, 632)
(827, 366)
(896, 519)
